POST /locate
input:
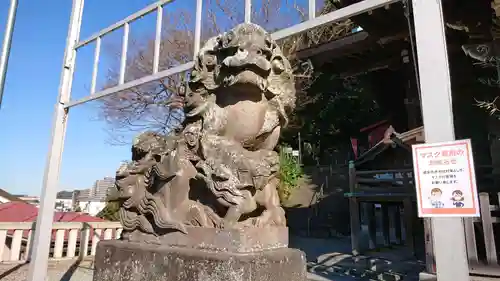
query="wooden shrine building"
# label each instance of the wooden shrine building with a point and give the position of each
(383, 47)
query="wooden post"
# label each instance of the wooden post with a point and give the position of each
(411, 88)
(470, 241)
(489, 238)
(372, 226)
(386, 225)
(409, 216)
(354, 210)
(430, 262)
(397, 224)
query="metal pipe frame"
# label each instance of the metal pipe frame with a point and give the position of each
(123, 60)
(157, 49)
(436, 99)
(43, 231)
(248, 11)
(312, 9)
(338, 15)
(197, 28)
(95, 68)
(137, 15)
(6, 44)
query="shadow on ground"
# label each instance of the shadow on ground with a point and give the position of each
(65, 270)
(331, 259)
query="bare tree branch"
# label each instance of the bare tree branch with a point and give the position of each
(156, 106)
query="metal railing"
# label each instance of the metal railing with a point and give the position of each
(313, 22)
(6, 43)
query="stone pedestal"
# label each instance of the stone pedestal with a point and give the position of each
(244, 240)
(241, 260)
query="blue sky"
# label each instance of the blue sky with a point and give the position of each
(32, 87)
(31, 91)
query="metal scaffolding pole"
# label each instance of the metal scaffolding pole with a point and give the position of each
(437, 111)
(43, 231)
(7, 42)
(248, 11)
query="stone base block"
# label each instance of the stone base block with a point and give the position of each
(424, 276)
(243, 240)
(128, 261)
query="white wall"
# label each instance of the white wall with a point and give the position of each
(64, 205)
(33, 200)
(4, 200)
(91, 207)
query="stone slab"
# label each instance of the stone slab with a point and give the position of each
(424, 276)
(127, 261)
(244, 240)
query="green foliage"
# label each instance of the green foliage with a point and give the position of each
(289, 174)
(110, 211)
(331, 111)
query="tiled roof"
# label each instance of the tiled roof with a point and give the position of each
(23, 212)
(409, 137)
(9, 196)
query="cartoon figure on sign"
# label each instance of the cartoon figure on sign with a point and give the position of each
(435, 198)
(457, 197)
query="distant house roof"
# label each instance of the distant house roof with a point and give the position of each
(392, 138)
(9, 196)
(22, 212)
(65, 194)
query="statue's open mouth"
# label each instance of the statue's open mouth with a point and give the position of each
(244, 69)
(249, 77)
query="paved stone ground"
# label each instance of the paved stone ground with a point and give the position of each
(322, 256)
(332, 259)
(328, 259)
(69, 270)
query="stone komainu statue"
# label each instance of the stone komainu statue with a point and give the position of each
(220, 170)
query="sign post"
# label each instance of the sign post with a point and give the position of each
(445, 179)
(437, 113)
(446, 189)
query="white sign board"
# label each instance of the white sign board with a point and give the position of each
(295, 153)
(445, 180)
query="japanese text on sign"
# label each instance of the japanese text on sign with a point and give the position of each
(445, 179)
